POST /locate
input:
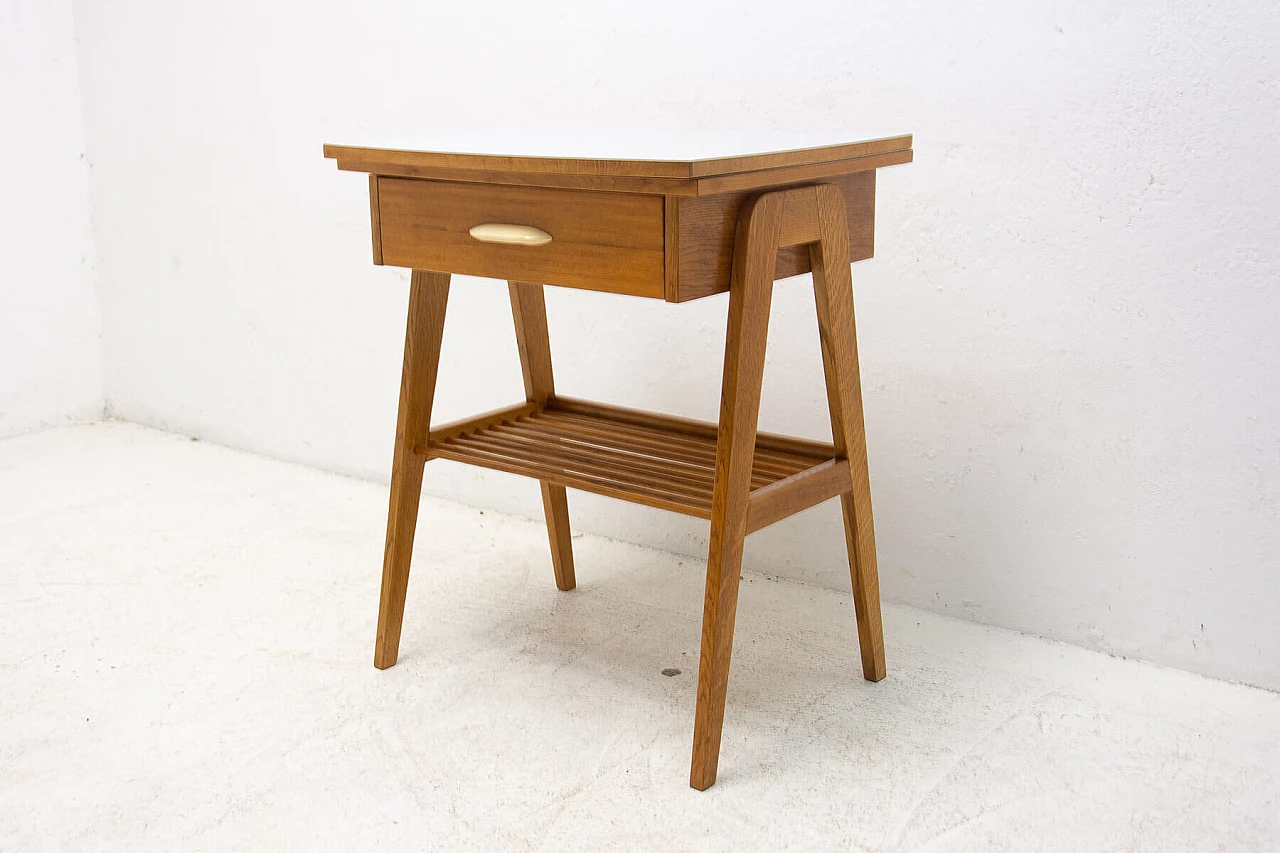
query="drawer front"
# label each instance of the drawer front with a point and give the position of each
(599, 241)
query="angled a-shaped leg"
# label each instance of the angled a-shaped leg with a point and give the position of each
(751, 290)
(428, 296)
(833, 290)
(529, 311)
(813, 216)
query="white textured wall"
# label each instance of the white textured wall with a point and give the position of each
(1068, 333)
(50, 344)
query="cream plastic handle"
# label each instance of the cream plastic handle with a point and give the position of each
(510, 235)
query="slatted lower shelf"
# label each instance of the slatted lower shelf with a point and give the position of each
(656, 460)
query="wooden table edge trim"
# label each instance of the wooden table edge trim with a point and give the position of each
(788, 176)
(723, 166)
(623, 167)
(623, 183)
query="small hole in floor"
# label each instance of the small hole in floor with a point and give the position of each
(670, 671)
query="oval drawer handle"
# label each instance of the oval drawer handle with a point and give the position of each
(510, 235)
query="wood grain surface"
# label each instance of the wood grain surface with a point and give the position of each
(600, 241)
(529, 313)
(348, 156)
(648, 177)
(428, 296)
(704, 237)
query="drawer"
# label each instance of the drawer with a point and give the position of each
(599, 241)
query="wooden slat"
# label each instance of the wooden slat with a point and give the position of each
(768, 462)
(643, 456)
(454, 428)
(671, 469)
(798, 492)
(662, 448)
(575, 480)
(559, 457)
(602, 434)
(688, 426)
(533, 434)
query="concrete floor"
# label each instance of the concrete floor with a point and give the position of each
(186, 637)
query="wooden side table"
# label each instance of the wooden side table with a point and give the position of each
(673, 230)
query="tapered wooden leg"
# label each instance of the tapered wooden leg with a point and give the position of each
(749, 297)
(833, 290)
(529, 311)
(428, 296)
(555, 506)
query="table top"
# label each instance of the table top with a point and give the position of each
(701, 176)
